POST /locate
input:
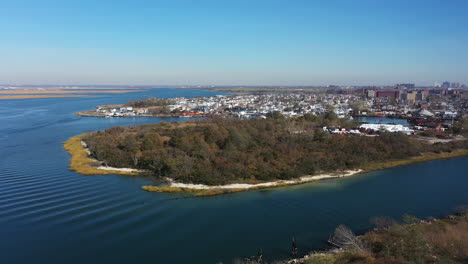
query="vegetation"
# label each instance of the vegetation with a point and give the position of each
(220, 151)
(150, 102)
(80, 161)
(415, 241)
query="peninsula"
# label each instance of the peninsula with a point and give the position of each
(216, 155)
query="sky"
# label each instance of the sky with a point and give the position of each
(233, 42)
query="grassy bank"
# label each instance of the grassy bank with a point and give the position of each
(82, 163)
(415, 241)
(424, 157)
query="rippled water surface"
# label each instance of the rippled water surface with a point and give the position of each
(49, 214)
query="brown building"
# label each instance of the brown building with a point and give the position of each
(395, 94)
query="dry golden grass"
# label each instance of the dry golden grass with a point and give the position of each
(450, 238)
(422, 158)
(81, 163)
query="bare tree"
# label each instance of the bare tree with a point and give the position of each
(345, 238)
(260, 255)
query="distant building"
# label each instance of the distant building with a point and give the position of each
(395, 94)
(371, 93)
(408, 96)
(446, 84)
(402, 86)
(455, 85)
(422, 95)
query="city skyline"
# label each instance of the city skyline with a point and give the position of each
(233, 43)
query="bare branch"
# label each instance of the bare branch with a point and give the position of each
(345, 238)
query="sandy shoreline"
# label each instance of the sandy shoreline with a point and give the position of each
(247, 186)
(117, 169)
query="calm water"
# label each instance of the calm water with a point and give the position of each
(382, 120)
(51, 215)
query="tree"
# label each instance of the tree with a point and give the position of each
(410, 219)
(356, 106)
(275, 115)
(383, 221)
(345, 238)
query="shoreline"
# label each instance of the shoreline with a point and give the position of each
(81, 162)
(92, 113)
(20, 97)
(205, 190)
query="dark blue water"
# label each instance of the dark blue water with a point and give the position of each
(49, 214)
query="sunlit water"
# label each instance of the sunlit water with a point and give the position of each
(49, 214)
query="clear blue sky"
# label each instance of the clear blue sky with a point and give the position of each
(257, 42)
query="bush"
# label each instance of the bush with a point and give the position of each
(321, 259)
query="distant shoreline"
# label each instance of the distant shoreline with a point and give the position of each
(39, 94)
(83, 164)
(12, 97)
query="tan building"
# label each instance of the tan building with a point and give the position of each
(409, 96)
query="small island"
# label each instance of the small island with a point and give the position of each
(214, 156)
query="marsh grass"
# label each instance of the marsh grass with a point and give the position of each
(423, 157)
(82, 163)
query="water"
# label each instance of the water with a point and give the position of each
(382, 120)
(49, 214)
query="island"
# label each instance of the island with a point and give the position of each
(216, 155)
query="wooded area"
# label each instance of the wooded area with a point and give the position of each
(149, 102)
(220, 151)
